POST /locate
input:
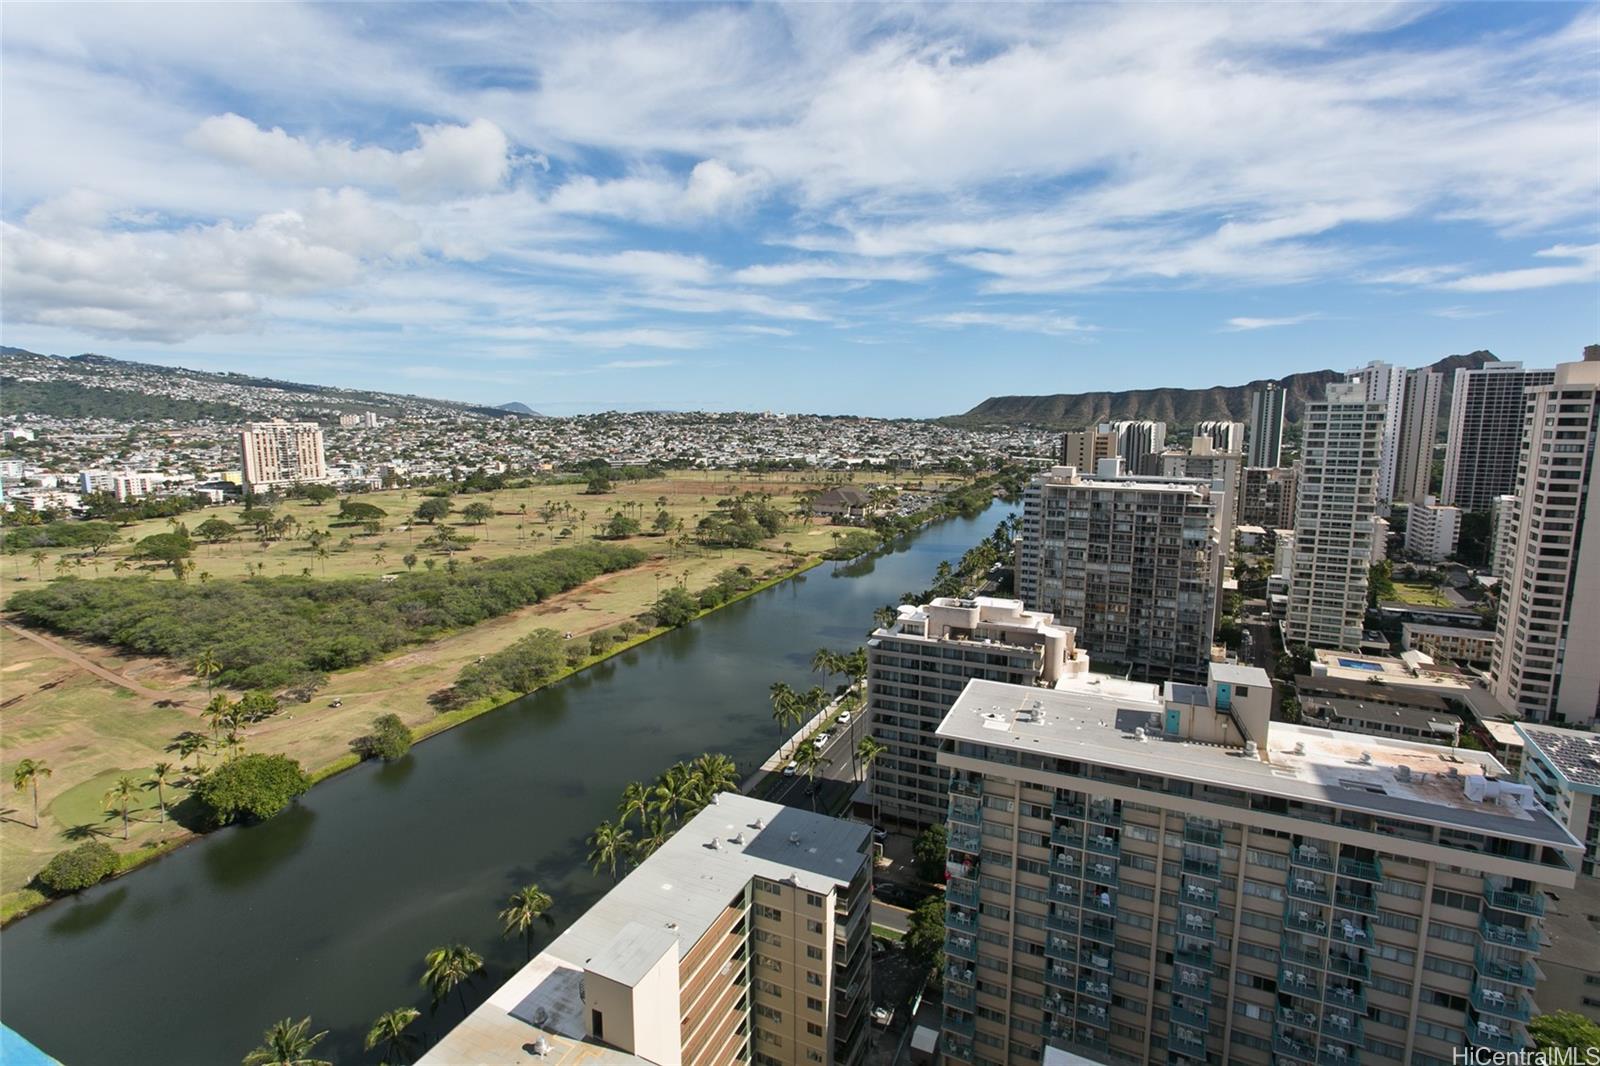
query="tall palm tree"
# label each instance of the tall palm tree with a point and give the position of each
(785, 709)
(656, 832)
(527, 905)
(390, 1031)
(120, 797)
(160, 777)
(287, 1044)
(451, 969)
(189, 743)
(811, 760)
(608, 845)
(38, 558)
(826, 661)
(714, 773)
(206, 668)
(635, 800)
(673, 790)
(867, 752)
(27, 775)
(216, 712)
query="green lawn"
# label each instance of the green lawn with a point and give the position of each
(1419, 595)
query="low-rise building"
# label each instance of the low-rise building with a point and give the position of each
(1456, 643)
(1382, 719)
(745, 938)
(842, 502)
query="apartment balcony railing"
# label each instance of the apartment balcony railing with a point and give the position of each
(966, 840)
(1102, 844)
(1299, 1019)
(1101, 868)
(1352, 931)
(1338, 1055)
(1104, 814)
(1093, 1014)
(1349, 966)
(1346, 997)
(1525, 938)
(1059, 977)
(1068, 808)
(1307, 888)
(956, 1047)
(1529, 903)
(1200, 867)
(966, 923)
(1061, 948)
(1298, 982)
(961, 947)
(1294, 951)
(1343, 1026)
(1311, 857)
(1182, 1015)
(1361, 869)
(1098, 929)
(962, 1024)
(1508, 1037)
(963, 786)
(1094, 989)
(1190, 1043)
(962, 893)
(1305, 922)
(1297, 1050)
(1525, 974)
(1062, 922)
(966, 812)
(961, 996)
(959, 973)
(1361, 902)
(1502, 1004)
(1066, 837)
(1197, 895)
(1091, 959)
(1193, 955)
(1204, 835)
(1198, 924)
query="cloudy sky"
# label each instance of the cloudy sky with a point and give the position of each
(884, 210)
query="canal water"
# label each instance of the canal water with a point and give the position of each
(328, 909)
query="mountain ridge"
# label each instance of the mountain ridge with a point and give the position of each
(1179, 407)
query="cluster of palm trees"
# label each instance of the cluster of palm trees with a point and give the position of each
(648, 815)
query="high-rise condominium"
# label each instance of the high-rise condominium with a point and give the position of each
(1085, 448)
(1132, 564)
(1130, 881)
(1545, 663)
(1224, 436)
(1266, 496)
(1485, 438)
(1206, 462)
(1503, 534)
(917, 667)
(279, 453)
(1335, 516)
(1385, 385)
(1264, 437)
(743, 939)
(1419, 431)
(1432, 529)
(1138, 442)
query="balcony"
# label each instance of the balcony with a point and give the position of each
(1099, 929)
(1525, 974)
(1095, 989)
(1207, 836)
(1104, 814)
(966, 923)
(1524, 939)
(1193, 955)
(1092, 1014)
(1509, 1037)
(1059, 977)
(1305, 922)
(1297, 982)
(1090, 959)
(1361, 869)
(1190, 1043)
(1338, 1055)
(1064, 808)
(1061, 949)
(956, 1047)
(957, 972)
(1501, 1004)
(1066, 837)
(966, 811)
(1102, 844)
(1299, 1019)
(1348, 966)
(1200, 867)
(1307, 888)
(1528, 903)
(958, 872)
(961, 893)
(1182, 1015)
(1197, 924)
(1311, 857)
(961, 1024)
(1197, 895)
(966, 786)
(960, 996)
(1353, 932)
(1102, 868)
(1292, 950)
(1360, 902)
(961, 947)
(1062, 922)
(1347, 997)
(968, 841)
(1343, 1026)
(1291, 1048)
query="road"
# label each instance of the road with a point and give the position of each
(890, 916)
(834, 781)
(61, 651)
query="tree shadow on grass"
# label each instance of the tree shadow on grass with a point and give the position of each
(84, 831)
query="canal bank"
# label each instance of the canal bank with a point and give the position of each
(328, 909)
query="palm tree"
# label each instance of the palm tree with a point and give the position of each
(119, 797)
(216, 712)
(714, 773)
(811, 760)
(287, 1044)
(826, 661)
(867, 752)
(635, 800)
(38, 559)
(673, 790)
(527, 905)
(654, 834)
(785, 708)
(607, 845)
(451, 968)
(390, 1031)
(160, 777)
(206, 668)
(27, 775)
(189, 743)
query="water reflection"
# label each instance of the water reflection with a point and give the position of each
(87, 912)
(238, 857)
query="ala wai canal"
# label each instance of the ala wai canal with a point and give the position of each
(327, 909)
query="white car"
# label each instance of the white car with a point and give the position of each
(820, 741)
(791, 769)
(844, 719)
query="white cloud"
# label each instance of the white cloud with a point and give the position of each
(637, 364)
(1052, 325)
(832, 270)
(1459, 312)
(1583, 268)
(712, 189)
(1241, 325)
(645, 265)
(448, 160)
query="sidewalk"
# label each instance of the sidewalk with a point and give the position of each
(778, 760)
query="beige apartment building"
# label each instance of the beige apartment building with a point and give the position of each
(1140, 879)
(1432, 529)
(1133, 564)
(1456, 643)
(1545, 663)
(1266, 496)
(1085, 448)
(278, 454)
(744, 939)
(918, 666)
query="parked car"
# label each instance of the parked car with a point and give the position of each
(791, 769)
(821, 740)
(844, 719)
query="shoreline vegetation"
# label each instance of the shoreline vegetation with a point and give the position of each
(850, 543)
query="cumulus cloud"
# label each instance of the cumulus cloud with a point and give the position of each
(448, 160)
(654, 196)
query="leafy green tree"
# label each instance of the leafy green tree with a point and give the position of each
(165, 548)
(930, 851)
(389, 1031)
(528, 904)
(317, 494)
(288, 1043)
(450, 969)
(608, 845)
(1565, 1029)
(26, 775)
(925, 931)
(215, 531)
(410, 559)
(675, 607)
(477, 513)
(714, 772)
(352, 511)
(251, 787)
(598, 484)
(389, 740)
(433, 509)
(119, 797)
(662, 523)
(79, 868)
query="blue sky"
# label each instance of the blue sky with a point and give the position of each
(878, 210)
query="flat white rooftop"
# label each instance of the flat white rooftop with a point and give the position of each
(678, 892)
(1378, 775)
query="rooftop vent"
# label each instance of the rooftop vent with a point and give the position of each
(1250, 749)
(716, 844)
(1139, 734)
(1366, 758)
(672, 925)
(1402, 772)
(1299, 747)
(758, 824)
(541, 1047)
(794, 838)
(738, 838)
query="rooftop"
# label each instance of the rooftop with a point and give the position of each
(1383, 714)
(1574, 755)
(1377, 775)
(674, 895)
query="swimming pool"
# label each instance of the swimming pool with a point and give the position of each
(1359, 664)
